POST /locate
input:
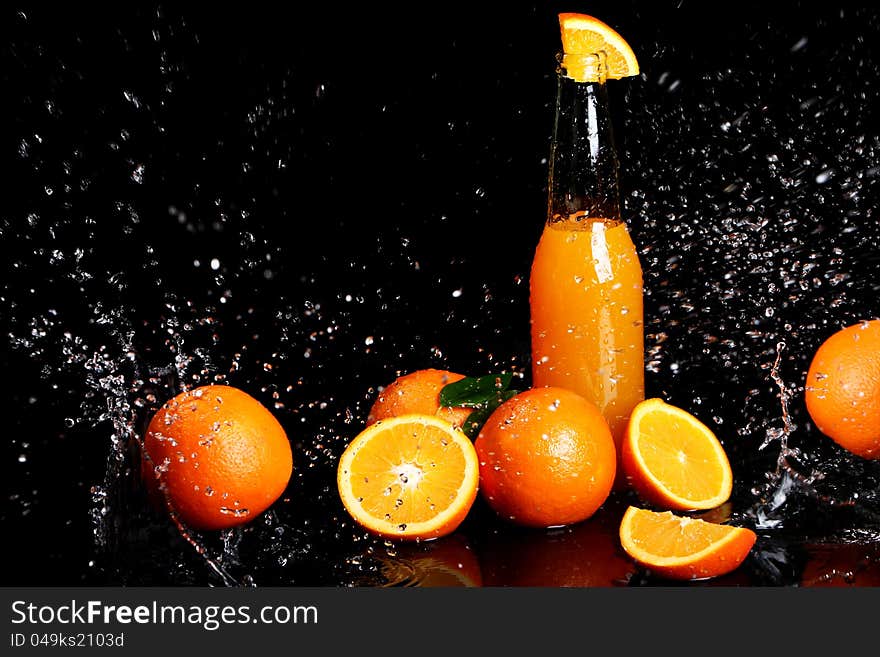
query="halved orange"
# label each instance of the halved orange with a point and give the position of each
(682, 548)
(409, 477)
(585, 35)
(673, 460)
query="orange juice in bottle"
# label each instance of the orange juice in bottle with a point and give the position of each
(587, 324)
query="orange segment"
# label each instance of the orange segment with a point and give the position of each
(673, 460)
(683, 548)
(409, 477)
(585, 35)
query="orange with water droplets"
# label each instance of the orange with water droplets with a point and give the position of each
(683, 548)
(409, 477)
(673, 460)
(842, 391)
(418, 392)
(216, 456)
(547, 458)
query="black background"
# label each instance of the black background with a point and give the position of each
(395, 156)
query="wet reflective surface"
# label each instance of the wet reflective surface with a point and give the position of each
(192, 199)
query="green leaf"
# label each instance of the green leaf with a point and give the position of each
(482, 393)
(473, 392)
(481, 413)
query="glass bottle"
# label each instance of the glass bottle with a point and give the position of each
(587, 324)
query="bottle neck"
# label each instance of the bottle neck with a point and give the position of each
(583, 181)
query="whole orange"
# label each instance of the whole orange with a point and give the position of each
(418, 392)
(842, 391)
(217, 456)
(547, 458)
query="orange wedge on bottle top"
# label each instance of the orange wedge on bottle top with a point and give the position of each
(683, 548)
(409, 477)
(583, 36)
(673, 460)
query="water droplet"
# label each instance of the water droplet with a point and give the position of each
(825, 176)
(800, 44)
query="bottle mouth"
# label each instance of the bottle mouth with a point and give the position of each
(590, 67)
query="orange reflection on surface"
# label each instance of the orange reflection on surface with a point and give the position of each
(855, 564)
(446, 562)
(587, 554)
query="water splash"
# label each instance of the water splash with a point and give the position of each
(786, 477)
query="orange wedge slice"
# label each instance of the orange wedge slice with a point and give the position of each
(682, 548)
(585, 35)
(409, 477)
(673, 460)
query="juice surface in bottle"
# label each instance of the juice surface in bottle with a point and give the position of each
(586, 289)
